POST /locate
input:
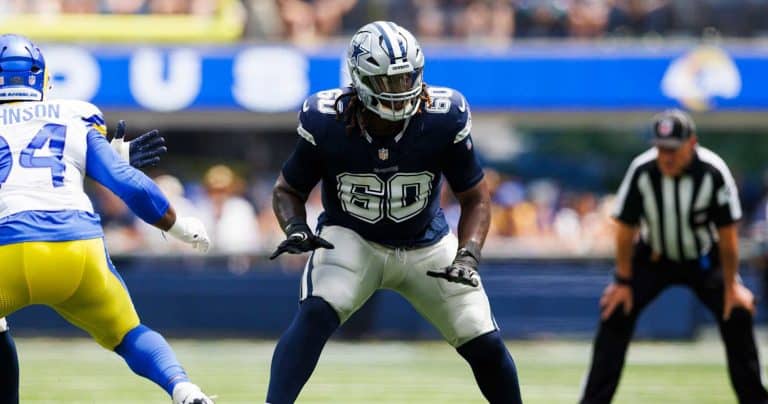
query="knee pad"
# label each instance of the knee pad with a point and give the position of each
(3, 325)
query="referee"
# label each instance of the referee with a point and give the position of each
(682, 200)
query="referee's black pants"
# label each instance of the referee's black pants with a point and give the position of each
(649, 279)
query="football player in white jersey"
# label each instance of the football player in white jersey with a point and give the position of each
(51, 242)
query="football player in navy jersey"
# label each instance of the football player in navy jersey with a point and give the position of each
(381, 148)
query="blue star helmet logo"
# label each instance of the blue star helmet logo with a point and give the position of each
(357, 51)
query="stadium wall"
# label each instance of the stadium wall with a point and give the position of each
(531, 299)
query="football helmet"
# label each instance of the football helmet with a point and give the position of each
(23, 76)
(386, 65)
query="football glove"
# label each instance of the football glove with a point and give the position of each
(300, 239)
(142, 151)
(191, 231)
(463, 270)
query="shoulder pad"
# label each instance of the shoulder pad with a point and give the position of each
(316, 113)
(452, 110)
(86, 112)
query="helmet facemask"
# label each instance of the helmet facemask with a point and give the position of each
(394, 98)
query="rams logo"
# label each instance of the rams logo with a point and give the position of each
(695, 78)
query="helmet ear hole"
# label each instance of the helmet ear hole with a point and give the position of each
(35, 69)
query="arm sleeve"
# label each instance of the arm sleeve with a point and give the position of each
(136, 189)
(629, 208)
(726, 206)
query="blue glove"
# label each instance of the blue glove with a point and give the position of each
(142, 151)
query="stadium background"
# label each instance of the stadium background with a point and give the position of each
(561, 93)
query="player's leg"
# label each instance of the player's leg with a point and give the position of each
(738, 336)
(334, 285)
(102, 307)
(613, 335)
(463, 316)
(9, 367)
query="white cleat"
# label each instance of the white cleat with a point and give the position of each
(188, 393)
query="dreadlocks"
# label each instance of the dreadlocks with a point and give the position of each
(350, 114)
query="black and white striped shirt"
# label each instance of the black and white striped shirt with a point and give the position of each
(679, 216)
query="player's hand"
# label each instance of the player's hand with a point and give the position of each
(737, 296)
(142, 151)
(191, 231)
(300, 239)
(615, 295)
(463, 270)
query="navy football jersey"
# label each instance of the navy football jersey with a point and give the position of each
(387, 189)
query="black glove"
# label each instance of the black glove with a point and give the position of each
(300, 239)
(144, 150)
(463, 269)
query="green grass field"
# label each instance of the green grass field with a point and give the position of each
(78, 371)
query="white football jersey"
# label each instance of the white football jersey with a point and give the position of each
(43, 155)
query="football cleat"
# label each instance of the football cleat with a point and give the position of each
(188, 393)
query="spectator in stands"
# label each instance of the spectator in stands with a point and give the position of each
(587, 18)
(483, 20)
(120, 231)
(153, 239)
(122, 6)
(639, 17)
(79, 6)
(230, 218)
(541, 18)
(306, 21)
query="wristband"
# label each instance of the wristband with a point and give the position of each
(472, 249)
(296, 224)
(619, 280)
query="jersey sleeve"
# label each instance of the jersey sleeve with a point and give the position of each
(628, 207)
(90, 115)
(461, 165)
(726, 205)
(139, 192)
(303, 169)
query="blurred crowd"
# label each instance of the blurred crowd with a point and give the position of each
(194, 7)
(308, 21)
(536, 218)
(529, 217)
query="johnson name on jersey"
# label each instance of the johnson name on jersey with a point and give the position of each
(46, 150)
(386, 189)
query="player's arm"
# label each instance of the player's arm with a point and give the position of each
(475, 218)
(301, 172)
(140, 193)
(726, 214)
(462, 169)
(628, 211)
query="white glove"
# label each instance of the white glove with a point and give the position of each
(192, 231)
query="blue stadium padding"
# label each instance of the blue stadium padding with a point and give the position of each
(530, 299)
(543, 77)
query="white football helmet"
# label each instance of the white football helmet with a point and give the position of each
(386, 65)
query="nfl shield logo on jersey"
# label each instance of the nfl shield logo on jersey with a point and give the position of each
(383, 154)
